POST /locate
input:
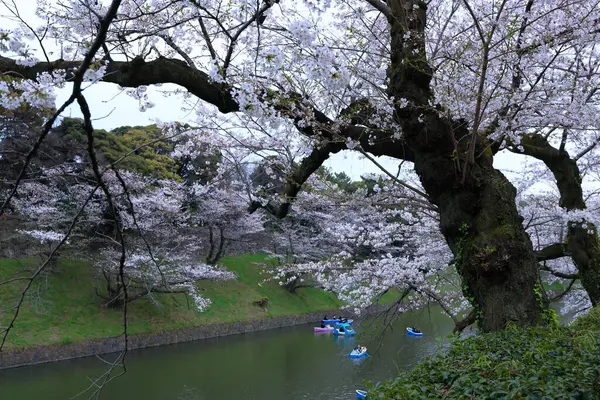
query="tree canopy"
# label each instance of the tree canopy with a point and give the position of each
(440, 86)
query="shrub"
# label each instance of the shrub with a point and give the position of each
(536, 363)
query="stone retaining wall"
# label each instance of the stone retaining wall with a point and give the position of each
(57, 352)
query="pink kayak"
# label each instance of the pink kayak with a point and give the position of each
(326, 329)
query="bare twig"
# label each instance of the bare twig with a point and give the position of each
(266, 5)
(178, 49)
(399, 181)
(77, 82)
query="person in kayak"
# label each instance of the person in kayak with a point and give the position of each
(323, 324)
(416, 330)
(360, 349)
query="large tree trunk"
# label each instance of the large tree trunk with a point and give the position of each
(479, 218)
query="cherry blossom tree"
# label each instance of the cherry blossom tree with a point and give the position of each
(162, 270)
(219, 191)
(223, 211)
(363, 243)
(164, 233)
(161, 256)
(442, 85)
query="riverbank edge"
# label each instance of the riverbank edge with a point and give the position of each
(66, 351)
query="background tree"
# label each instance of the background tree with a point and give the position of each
(162, 253)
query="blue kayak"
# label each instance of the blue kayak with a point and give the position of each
(337, 320)
(345, 332)
(358, 354)
(361, 394)
(343, 329)
(411, 332)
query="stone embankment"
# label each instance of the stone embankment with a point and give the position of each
(64, 351)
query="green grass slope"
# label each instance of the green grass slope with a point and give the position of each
(63, 307)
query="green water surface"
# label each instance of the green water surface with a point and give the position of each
(290, 363)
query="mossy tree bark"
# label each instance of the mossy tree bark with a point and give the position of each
(479, 219)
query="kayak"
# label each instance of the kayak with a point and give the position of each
(326, 329)
(359, 354)
(346, 332)
(411, 332)
(361, 394)
(335, 321)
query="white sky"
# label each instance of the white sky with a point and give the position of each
(111, 109)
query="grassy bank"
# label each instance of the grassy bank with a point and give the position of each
(63, 308)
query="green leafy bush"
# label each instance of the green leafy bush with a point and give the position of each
(538, 363)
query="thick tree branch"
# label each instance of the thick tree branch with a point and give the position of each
(301, 173)
(565, 170)
(470, 319)
(382, 7)
(552, 252)
(411, 76)
(138, 72)
(582, 240)
(559, 274)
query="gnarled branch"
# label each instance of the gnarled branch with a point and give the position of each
(138, 72)
(565, 170)
(382, 7)
(461, 325)
(559, 274)
(552, 252)
(295, 181)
